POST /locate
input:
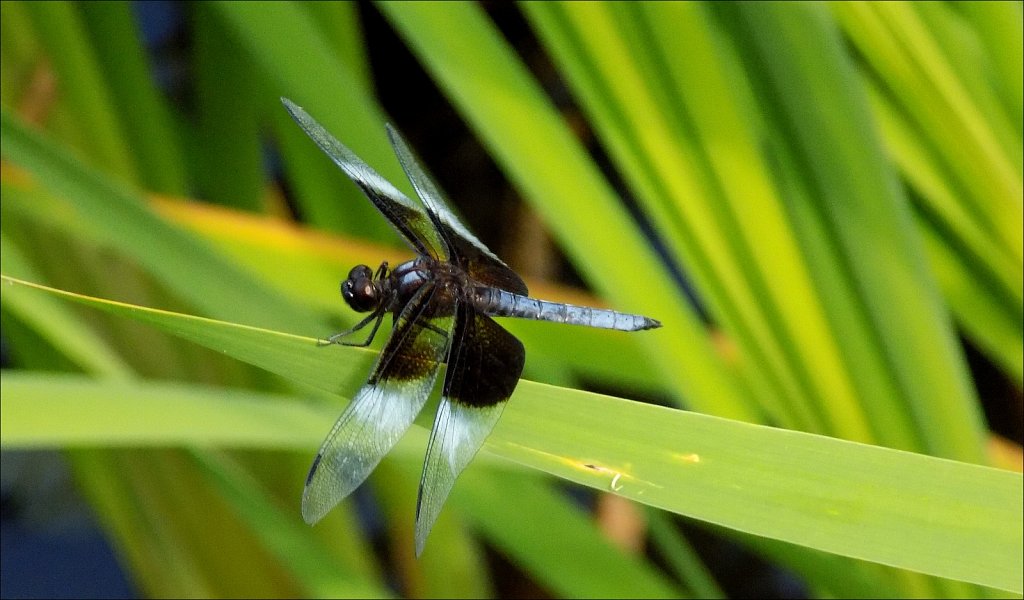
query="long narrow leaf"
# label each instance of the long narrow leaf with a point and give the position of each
(857, 500)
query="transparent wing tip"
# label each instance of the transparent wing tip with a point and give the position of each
(313, 506)
(428, 509)
(422, 532)
(312, 510)
(426, 516)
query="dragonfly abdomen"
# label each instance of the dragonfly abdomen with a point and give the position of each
(497, 302)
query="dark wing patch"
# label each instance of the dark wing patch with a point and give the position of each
(485, 362)
(382, 410)
(461, 246)
(484, 365)
(404, 215)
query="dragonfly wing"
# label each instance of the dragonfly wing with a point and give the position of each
(382, 410)
(461, 246)
(484, 365)
(405, 216)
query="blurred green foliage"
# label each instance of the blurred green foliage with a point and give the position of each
(841, 183)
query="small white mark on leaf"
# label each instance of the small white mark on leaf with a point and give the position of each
(615, 482)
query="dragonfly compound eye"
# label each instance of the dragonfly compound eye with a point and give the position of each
(358, 290)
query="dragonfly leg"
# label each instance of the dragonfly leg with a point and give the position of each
(337, 338)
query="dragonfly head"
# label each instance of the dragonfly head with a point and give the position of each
(360, 292)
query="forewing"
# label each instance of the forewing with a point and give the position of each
(405, 216)
(461, 246)
(484, 365)
(382, 410)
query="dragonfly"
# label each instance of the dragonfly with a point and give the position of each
(441, 303)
